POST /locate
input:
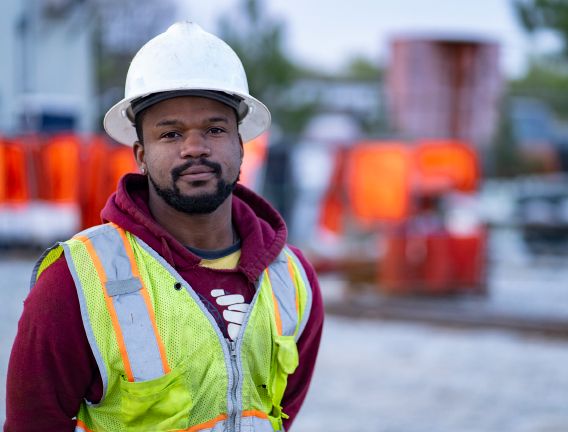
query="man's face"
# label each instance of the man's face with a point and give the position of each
(192, 152)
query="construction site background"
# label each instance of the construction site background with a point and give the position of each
(430, 192)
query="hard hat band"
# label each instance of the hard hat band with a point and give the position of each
(140, 104)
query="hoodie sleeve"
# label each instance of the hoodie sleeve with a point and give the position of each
(51, 366)
(308, 346)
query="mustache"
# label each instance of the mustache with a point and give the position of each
(177, 171)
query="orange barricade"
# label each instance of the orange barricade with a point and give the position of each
(121, 161)
(377, 178)
(468, 256)
(432, 263)
(3, 172)
(60, 165)
(104, 164)
(400, 187)
(446, 160)
(14, 187)
(253, 160)
(93, 161)
(333, 203)
(62, 170)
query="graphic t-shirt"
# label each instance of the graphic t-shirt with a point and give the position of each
(230, 308)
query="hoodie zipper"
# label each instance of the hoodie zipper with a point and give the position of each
(233, 403)
(232, 421)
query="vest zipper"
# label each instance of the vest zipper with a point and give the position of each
(232, 426)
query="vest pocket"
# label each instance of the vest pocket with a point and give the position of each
(286, 354)
(285, 363)
(156, 405)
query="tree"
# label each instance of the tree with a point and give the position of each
(259, 42)
(122, 28)
(547, 76)
(363, 69)
(537, 15)
(546, 80)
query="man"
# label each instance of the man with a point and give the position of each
(186, 310)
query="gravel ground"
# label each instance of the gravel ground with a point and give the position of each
(391, 377)
(385, 377)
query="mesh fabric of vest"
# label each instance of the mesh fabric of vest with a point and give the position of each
(195, 348)
(186, 332)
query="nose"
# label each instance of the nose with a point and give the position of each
(194, 146)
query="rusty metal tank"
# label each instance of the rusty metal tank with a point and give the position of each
(444, 87)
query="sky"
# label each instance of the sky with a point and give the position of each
(326, 34)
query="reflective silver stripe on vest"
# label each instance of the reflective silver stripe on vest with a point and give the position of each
(309, 294)
(285, 292)
(249, 423)
(86, 321)
(220, 426)
(257, 424)
(132, 313)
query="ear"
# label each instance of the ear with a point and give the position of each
(139, 154)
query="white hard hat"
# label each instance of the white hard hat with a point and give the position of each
(186, 58)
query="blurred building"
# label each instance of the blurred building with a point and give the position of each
(362, 99)
(47, 71)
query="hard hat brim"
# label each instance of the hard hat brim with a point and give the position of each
(120, 128)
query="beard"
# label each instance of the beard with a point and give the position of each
(198, 204)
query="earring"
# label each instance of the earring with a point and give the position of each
(143, 170)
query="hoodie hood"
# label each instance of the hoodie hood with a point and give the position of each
(261, 229)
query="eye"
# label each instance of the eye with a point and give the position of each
(216, 130)
(170, 135)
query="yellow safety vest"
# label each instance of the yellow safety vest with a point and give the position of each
(164, 363)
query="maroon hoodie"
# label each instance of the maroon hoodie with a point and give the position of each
(52, 368)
